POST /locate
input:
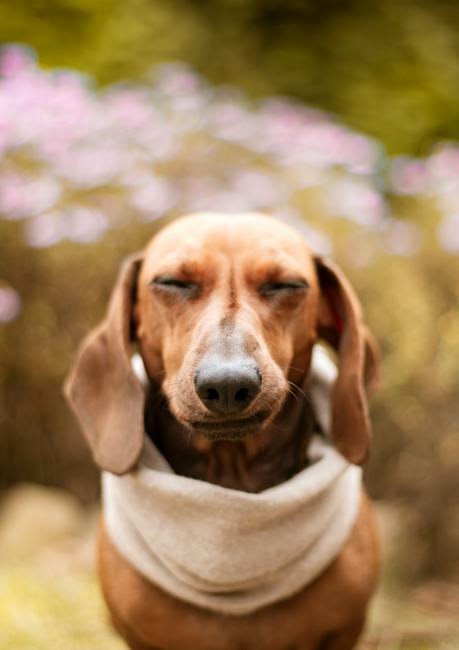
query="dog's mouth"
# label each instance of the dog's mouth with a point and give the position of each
(235, 429)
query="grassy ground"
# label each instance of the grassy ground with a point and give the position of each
(49, 598)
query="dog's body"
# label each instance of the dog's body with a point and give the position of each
(329, 614)
(226, 311)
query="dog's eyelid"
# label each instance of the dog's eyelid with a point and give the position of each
(274, 287)
(171, 283)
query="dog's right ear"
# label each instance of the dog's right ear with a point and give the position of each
(340, 324)
(102, 389)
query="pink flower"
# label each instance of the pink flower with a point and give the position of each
(44, 230)
(154, 197)
(408, 176)
(448, 233)
(259, 189)
(443, 167)
(173, 144)
(176, 79)
(26, 196)
(10, 304)
(84, 225)
(15, 59)
(355, 200)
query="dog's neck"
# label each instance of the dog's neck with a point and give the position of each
(256, 463)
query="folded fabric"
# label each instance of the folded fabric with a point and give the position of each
(231, 551)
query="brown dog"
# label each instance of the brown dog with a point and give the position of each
(225, 311)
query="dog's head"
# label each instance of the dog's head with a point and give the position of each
(225, 311)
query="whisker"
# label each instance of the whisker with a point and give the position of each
(294, 368)
(290, 392)
(265, 403)
(292, 383)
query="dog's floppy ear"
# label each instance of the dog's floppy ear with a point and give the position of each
(340, 324)
(102, 389)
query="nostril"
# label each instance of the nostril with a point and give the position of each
(212, 394)
(227, 385)
(242, 395)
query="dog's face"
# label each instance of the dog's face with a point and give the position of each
(225, 310)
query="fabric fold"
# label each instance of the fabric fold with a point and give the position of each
(226, 550)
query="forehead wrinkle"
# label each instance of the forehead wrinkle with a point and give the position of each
(227, 321)
(280, 264)
(233, 302)
(186, 265)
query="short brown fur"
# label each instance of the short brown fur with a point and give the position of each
(230, 259)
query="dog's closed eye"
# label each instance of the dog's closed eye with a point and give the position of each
(272, 289)
(172, 285)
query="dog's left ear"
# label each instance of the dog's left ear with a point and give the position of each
(340, 324)
(102, 388)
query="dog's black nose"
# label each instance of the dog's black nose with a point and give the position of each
(227, 386)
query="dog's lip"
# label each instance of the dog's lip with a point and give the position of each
(237, 424)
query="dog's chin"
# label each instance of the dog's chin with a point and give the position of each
(229, 428)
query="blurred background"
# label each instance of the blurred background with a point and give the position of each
(338, 117)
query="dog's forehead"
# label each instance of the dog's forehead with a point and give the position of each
(233, 234)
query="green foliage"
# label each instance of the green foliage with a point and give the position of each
(390, 69)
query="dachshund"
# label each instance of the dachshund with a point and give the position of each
(225, 311)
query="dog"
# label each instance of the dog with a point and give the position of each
(225, 312)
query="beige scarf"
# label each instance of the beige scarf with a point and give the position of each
(231, 551)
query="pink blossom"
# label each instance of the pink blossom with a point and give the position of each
(84, 225)
(44, 230)
(92, 166)
(231, 121)
(448, 233)
(408, 176)
(176, 79)
(197, 193)
(355, 200)
(130, 109)
(10, 304)
(22, 196)
(96, 159)
(15, 59)
(443, 168)
(258, 188)
(154, 197)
